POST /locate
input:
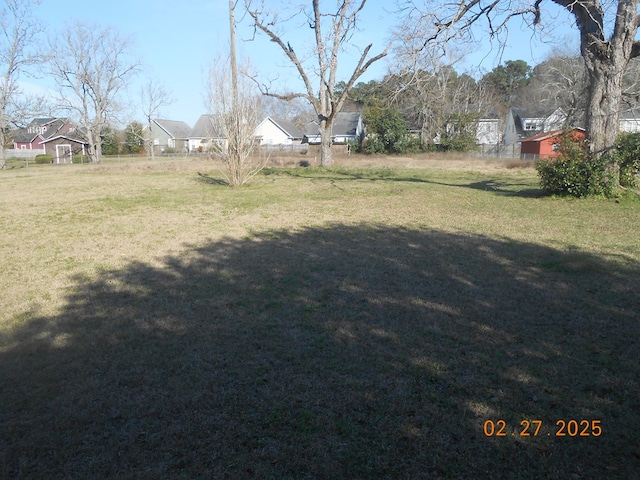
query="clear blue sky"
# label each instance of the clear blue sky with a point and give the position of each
(177, 41)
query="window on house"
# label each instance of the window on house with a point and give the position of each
(530, 126)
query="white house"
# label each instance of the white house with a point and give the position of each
(276, 131)
(347, 127)
(205, 134)
(488, 131)
(630, 121)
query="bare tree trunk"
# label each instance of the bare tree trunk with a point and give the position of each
(3, 159)
(152, 145)
(602, 113)
(326, 153)
(606, 62)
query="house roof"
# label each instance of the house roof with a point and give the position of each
(630, 114)
(346, 124)
(23, 136)
(174, 128)
(287, 127)
(67, 137)
(547, 135)
(53, 126)
(42, 121)
(205, 127)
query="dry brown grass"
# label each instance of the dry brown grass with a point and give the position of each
(345, 323)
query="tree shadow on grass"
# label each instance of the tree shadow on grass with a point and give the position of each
(508, 189)
(340, 352)
(209, 180)
(499, 187)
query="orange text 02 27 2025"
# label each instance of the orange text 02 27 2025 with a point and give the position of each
(535, 428)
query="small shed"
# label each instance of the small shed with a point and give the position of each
(63, 147)
(545, 145)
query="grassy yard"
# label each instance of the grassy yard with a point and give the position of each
(351, 323)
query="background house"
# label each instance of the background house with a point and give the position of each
(168, 135)
(519, 124)
(630, 121)
(277, 131)
(205, 134)
(30, 138)
(348, 127)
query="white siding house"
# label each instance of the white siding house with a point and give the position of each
(276, 131)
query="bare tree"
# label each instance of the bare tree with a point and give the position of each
(333, 31)
(18, 35)
(232, 126)
(428, 89)
(560, 81)
(91, 67)
(607, 44)
(154, 97)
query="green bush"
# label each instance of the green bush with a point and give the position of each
(575, 173)
(43, 158)
(627, 155)
(460, 133)
(387, 131)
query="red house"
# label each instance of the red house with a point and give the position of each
(39, 130)
(545, 145)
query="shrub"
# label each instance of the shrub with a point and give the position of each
(460, 133)
(387, 131)
(627, 155)
(43, 158)
(574, 172)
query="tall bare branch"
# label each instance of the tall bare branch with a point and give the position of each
(18, 38)
(92, 68)
(332, 32)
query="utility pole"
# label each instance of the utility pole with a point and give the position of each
(234, 68)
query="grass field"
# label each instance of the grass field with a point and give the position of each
(351, 323)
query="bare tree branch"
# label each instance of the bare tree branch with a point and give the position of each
(18, 38)
(331, 33)
(91, 67)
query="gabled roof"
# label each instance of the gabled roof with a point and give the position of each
(174, 128)
(66, 137)
(54, 127)
(546, 135)
(287, 127)
(41, 121)
(206, 127)
(23, 136)
(311, 129)
(346, 123)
